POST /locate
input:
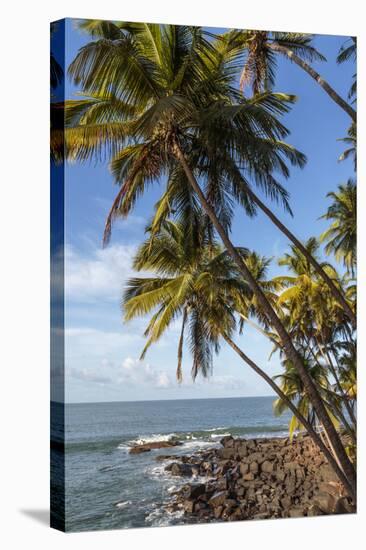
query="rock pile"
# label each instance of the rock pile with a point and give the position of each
(145, 447)
(258, 479)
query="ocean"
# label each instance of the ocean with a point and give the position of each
(107, 488)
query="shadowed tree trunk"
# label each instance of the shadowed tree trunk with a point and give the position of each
(288, 346)
(315, 437)
(316, 76)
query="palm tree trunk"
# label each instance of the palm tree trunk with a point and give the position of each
(276, 322)
(315, 437)
(316, 76)
(337, 294)
(321, 432)
(339, 411)
(340, 389)
(328, 361)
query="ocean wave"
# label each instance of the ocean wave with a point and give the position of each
(190, 439)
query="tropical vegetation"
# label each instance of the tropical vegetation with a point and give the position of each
(168, 103)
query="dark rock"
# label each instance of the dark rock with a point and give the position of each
(227, 441)
(193, 491)
(178, 469)
(145, 447)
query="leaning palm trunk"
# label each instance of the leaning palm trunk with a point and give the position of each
(288, 346)
(337, 294)
(324, 352)
(323, 434)
(350, 430)
(332, 459)
(316, 76)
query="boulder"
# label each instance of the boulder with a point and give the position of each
(242, 451)
(188, 506)
(227, 453)
(267, 467)
(326, 502)
(218, 499)
(145, 447)
(296, 512)
(177, 469)
(227, 441)
(193, 491)
(243, 468)
(218, 511)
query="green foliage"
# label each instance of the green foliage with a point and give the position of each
(340, 237)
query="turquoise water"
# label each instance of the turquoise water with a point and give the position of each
(107, 488)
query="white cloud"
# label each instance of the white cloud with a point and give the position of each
(98, 276)
(86, 375)
(136, 372)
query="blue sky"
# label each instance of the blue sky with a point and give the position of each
(101, 353)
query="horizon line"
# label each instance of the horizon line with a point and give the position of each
(157, 400)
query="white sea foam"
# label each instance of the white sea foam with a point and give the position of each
(123, 504)
(162, 518)
(219, 436)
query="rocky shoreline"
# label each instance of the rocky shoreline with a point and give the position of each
(256, 479)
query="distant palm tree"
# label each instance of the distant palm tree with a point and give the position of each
(196, 282)
(351, 141)
(161, 101)
(313, 316)
(260, 65)
(341, 235)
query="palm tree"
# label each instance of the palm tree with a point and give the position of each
(196, 281)
(292, 386)
(153, 97)
(260, 65)
(346, 52)
(311, 311)
(340, 237)
(351, 141)
(94, 122)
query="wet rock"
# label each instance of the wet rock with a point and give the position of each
(193, 491)
(177, 469)
(145, 447)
